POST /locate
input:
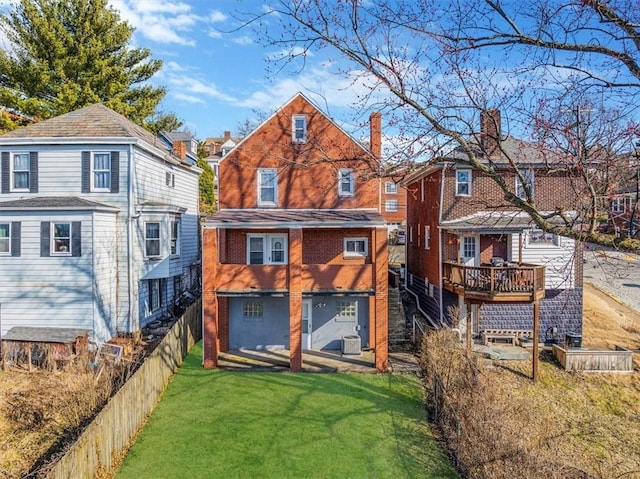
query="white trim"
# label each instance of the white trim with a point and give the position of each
(52, 239)
(8, 239)
(267, 249)
(393, 190)
(12, 170)
(294, 129)
(92, 172)
(259, 200)
(354, 253)
(468, 182)
(158, 239)
(352, 182)
(427, 237)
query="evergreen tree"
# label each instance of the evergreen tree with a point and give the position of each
(66, 54)
(207, 179)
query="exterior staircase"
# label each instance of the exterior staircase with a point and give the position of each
(399, 332)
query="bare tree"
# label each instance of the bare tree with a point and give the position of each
(565, 76)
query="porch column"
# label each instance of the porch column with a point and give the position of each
(210, 337)
(295, 299)
(380, 258)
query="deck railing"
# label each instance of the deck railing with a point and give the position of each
(495, 280)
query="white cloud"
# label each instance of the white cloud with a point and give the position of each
(189, 98)
(243, 40)
(217, 16)
(188, 86)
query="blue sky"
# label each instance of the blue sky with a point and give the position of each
(216, 75)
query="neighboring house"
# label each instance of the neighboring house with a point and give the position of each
(98, 224)
(470, 255)
(217, 147)
(296, 257)
(394, 204)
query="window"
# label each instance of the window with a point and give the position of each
(356, 247)
(175, 237)
(617, 205)
(253, 310)
(299, 129)
(155, 295)
(390, 187)
(61, 239)
(346, 182)
(391, 205)
(427, 237)
(266, 249)
(101, 172)
(267, 187)
(463, 182)
(152, 240)
(170, 179)
(21, 171)
(5, 239)
(537, 237)
(346, 311)
(529, 180)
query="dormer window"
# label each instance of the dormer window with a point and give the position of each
(299, 129)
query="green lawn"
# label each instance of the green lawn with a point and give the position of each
(218, 424)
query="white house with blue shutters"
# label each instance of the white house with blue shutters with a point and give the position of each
(98, 224)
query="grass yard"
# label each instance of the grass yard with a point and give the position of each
(219, 424)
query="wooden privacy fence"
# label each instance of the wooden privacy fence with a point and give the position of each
(112, 429)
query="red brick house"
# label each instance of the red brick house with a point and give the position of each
(296, 257)
(469, 253)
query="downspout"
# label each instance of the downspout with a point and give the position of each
(130, 219)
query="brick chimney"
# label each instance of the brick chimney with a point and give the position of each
(227, 135)
(490, 132)
(180, 149)
(375, 141)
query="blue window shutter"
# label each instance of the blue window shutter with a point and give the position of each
(86, 171)
(4, 166)
(15, 238)
(33, 172)
(45, 238)
(115, 172)
(76, 238)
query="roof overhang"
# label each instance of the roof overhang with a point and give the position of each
(292, 218)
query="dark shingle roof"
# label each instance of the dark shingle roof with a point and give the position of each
(307, 218)
(493, 222)
(54, 203)
(93, 121)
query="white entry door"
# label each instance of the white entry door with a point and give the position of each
(307, 326)
(469, 250)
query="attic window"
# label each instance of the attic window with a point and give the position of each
(299, 129)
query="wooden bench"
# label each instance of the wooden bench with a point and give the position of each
(490, 336)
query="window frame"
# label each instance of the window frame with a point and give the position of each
(22, 171)
(263, 171)
(253, 310)
(53, 247)
(147, 240)
(95, 171)
(351, 180)
(349, 307)
(393, 209)
(427, 237)
(155, 288)
(7, 239)
(530, 178)
(295, 138)
(174, 237)
(466, 183)
(356, 254)
(267, 248)
(393, 190)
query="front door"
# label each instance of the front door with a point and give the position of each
(306, 323)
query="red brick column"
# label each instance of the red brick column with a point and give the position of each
(381, 312)
(295, 300)
(210, 339)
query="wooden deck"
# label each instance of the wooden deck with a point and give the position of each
(512, 283)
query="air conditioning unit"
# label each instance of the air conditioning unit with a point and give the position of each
(573, 340)
(351, 345)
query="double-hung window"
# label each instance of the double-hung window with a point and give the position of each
(356, 247)
(61, 239)
(529, 179)
(266, 249)
(299, 128)
(391, 205)
(5, 239)
(152, 239)
(390, 187)
(267, 187)
(463, 182)
(21, 169)
(175, 237)
(101, 172)
(346, 182)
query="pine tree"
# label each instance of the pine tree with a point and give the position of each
(66, 54)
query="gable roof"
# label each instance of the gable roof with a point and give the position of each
(315, 107)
